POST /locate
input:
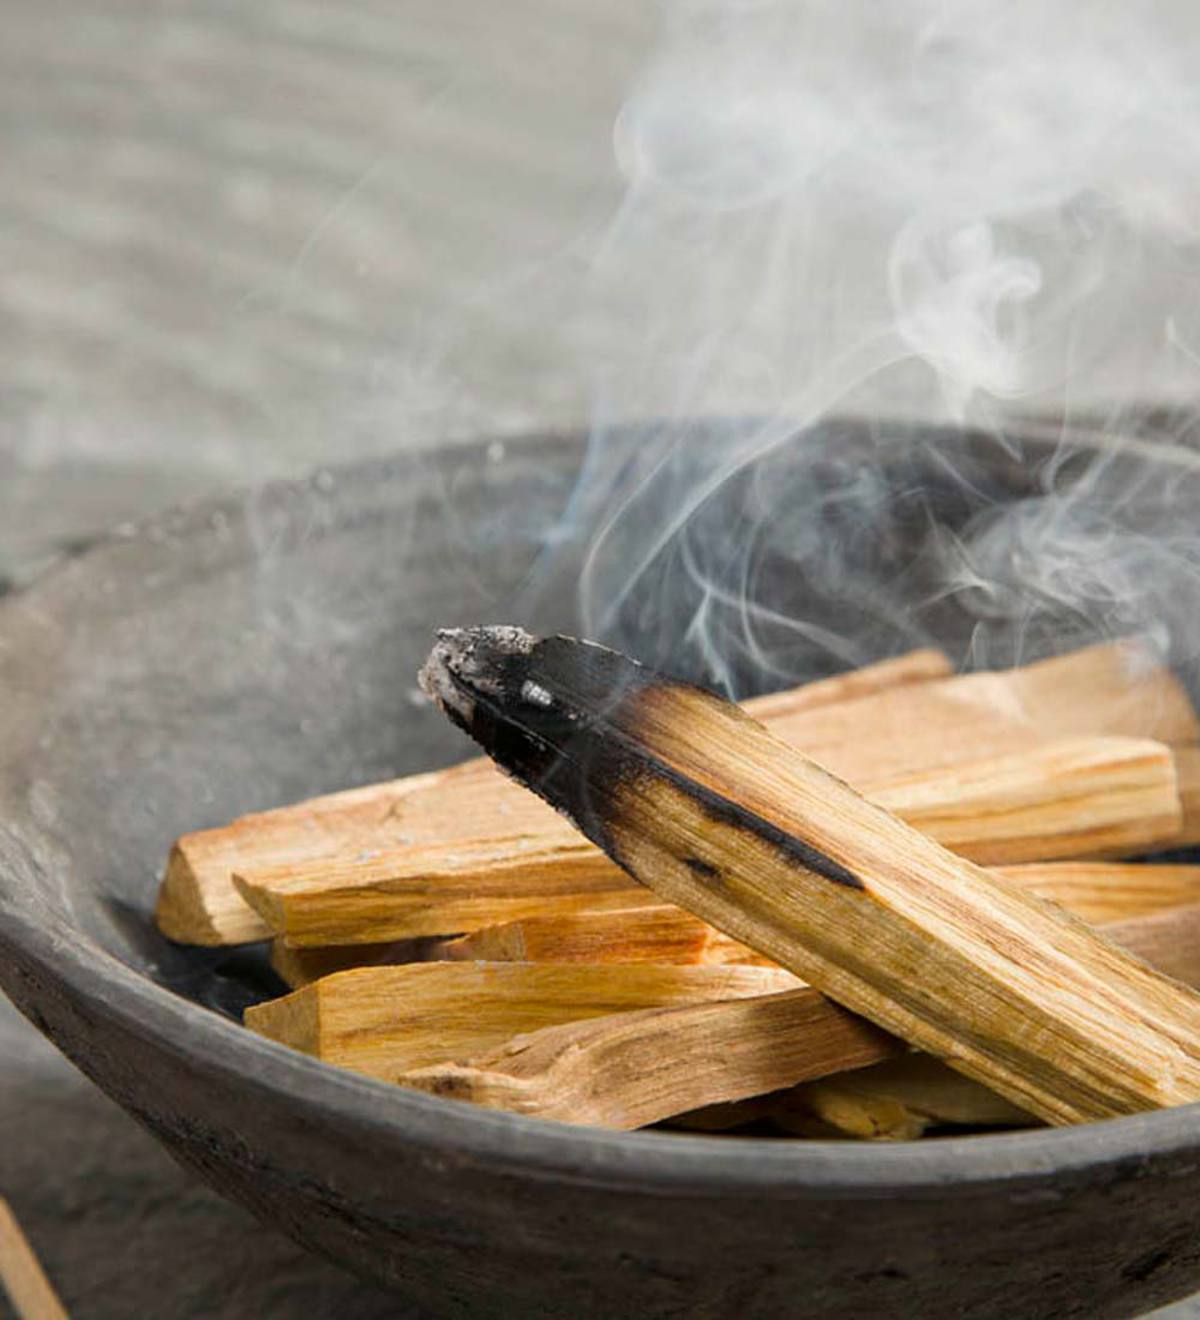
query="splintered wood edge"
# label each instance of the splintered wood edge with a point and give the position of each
(192, 910)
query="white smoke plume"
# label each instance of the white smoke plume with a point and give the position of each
(958, 213)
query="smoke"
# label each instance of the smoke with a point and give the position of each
(957, 213)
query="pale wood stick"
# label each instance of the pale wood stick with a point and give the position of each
(413, 892)
(1099, 892)
(383, 1021)
(28, 1288)
(1187, 774)
(659, 934)
(1102, 892)
(704, 805)
(1081, 795)
(628, 1069)
(198, 903)
(897, 1101)
(865, 681)
(300, 967)
(900, 1100)
(1077, 797)
(1113, 689)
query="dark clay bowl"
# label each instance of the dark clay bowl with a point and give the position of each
(241, 655)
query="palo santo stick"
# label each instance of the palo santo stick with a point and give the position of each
(659, 934)
(21, 1274)
(900, 1100)
(701, 803)
(1098, 892)
(1187, 774)
(866, 681)
(1079, 796)
(198, 903)
(432, 891)
(630, 1069)
(635, 1068)
(1101, 892)
(383, 1021)
(1115, 689)
(298, 967)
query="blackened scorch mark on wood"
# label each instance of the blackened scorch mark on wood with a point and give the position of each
(574, 745)
(702, 868)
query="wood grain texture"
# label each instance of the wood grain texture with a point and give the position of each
(703, 804)
(383, 1021)
(1062, 798)
(198, 902)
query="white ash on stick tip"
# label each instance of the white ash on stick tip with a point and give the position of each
(464, 658)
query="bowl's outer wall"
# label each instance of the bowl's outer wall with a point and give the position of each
(236, 657)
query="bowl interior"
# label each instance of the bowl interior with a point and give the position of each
(241, 655)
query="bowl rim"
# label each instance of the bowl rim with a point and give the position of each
(647, 1162)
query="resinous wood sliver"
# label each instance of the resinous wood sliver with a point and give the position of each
(704, 805)
(199, 904)
(1081, 795)
(383, 1021)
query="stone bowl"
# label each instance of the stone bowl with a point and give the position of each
(247, 653)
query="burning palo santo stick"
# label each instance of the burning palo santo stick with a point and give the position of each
(630, 1069)
(1078, 796)
(1111, 689)
(198, 903)
(384, 1021)
(702, 804)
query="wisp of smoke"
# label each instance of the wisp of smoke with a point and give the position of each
(956, 213)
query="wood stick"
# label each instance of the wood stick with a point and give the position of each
(900, 1100)
(701, 803)
(383, 1021)
(413, 892)
(1082, 795)
(629, 1069)
(300, 967)
(199, 904)
(30, 1291)
(1099, 892)
(1112, 689)
(659, 934)
(897, 1101)
(1077, 797)
(1187, 774)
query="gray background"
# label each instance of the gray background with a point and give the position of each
(242, 240)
